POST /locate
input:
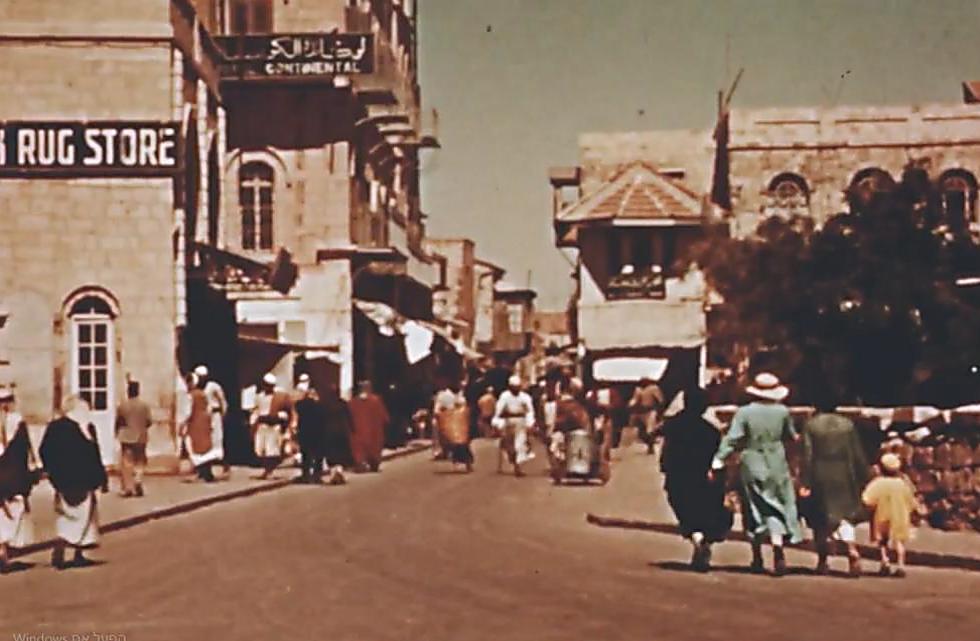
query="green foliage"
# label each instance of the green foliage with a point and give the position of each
(865, 308)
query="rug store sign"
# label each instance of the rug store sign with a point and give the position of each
(93, 149)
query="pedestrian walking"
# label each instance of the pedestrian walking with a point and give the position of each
(514, 416)
(444, 401)
(369, 420)
(698, 502)
(768, 497)
(647, 404)
(217, 410)
(833, 472)
(196, 430)
(70, 454)
(486, 407)
(454, 424)
(18, 475)
(338, 438)
(272, 419)
(133, 420)
(311, 431)
(892, 498)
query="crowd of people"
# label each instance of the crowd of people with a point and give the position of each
(834, 488)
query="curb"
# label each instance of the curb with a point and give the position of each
(196, 504)
(870, 552)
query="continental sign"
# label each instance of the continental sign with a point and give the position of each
(298, 55)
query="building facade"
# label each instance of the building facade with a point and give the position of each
(638, 312)
(457, 304)
(769, 162)
(108, 151)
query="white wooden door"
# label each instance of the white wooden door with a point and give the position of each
(93, 374)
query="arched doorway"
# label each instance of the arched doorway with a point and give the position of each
(92, 317)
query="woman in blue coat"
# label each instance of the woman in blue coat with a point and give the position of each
(759, 430)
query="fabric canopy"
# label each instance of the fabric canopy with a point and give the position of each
(260, 355)
(629, 368)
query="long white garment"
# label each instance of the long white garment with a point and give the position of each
(16, 524)
(77, 524)
(218, 407)
(516, 411)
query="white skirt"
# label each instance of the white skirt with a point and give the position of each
(78, 525)
(268, 441)
(217, 437)
(199, 459)
(16, 524)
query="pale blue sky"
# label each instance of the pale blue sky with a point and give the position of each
(512, 100)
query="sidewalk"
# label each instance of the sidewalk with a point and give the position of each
(170, 495)
(642, 504)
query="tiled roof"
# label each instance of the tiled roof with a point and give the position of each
(971, 91)
(636, 193)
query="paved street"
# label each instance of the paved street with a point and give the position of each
(420, 553)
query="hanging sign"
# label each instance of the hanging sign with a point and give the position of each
(92, 149)
(291, 55)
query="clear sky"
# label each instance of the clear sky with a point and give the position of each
(516, 81)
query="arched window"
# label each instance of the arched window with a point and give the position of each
(958, 188)
(789, 191)
(868, 182)
(256, 181)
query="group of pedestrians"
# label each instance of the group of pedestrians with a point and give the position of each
(70, 459)
(834, 491)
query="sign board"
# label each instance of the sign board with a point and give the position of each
(641, 285)
(297, 55)
(89, 149)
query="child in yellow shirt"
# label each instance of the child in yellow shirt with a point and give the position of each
(893, 500)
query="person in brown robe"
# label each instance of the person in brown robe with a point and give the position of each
(197, 430)
(369, 420)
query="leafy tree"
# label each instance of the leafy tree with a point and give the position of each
(865, 307)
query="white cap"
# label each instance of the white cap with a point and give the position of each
(201, 370)
(514, 381)
(269, 379)
(304, 378)
(627, 270)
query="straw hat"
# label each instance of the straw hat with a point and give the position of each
(890, 462)
(768, 387)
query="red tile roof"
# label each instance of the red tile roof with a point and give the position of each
(638, 192)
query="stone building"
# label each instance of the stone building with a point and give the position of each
(458, 302)
(775, 161)
(110, 145)
(486, 277)
(324, 137)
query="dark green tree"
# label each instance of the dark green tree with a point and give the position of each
(865, 307)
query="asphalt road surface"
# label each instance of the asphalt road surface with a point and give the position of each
(419, 553)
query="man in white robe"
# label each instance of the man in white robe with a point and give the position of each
(16, 524)
(514, 416)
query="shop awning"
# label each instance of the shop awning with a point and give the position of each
(256, 356)
(629, 369)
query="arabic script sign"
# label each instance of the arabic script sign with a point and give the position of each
(287, 55)
(644, 285)
(72, 148)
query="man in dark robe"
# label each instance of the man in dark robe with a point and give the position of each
(70, 454)
(369, 420)
(690, 443)
(337, 446)
(311, 431)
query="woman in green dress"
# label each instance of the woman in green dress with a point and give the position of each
(833, 473)
(758, 431)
